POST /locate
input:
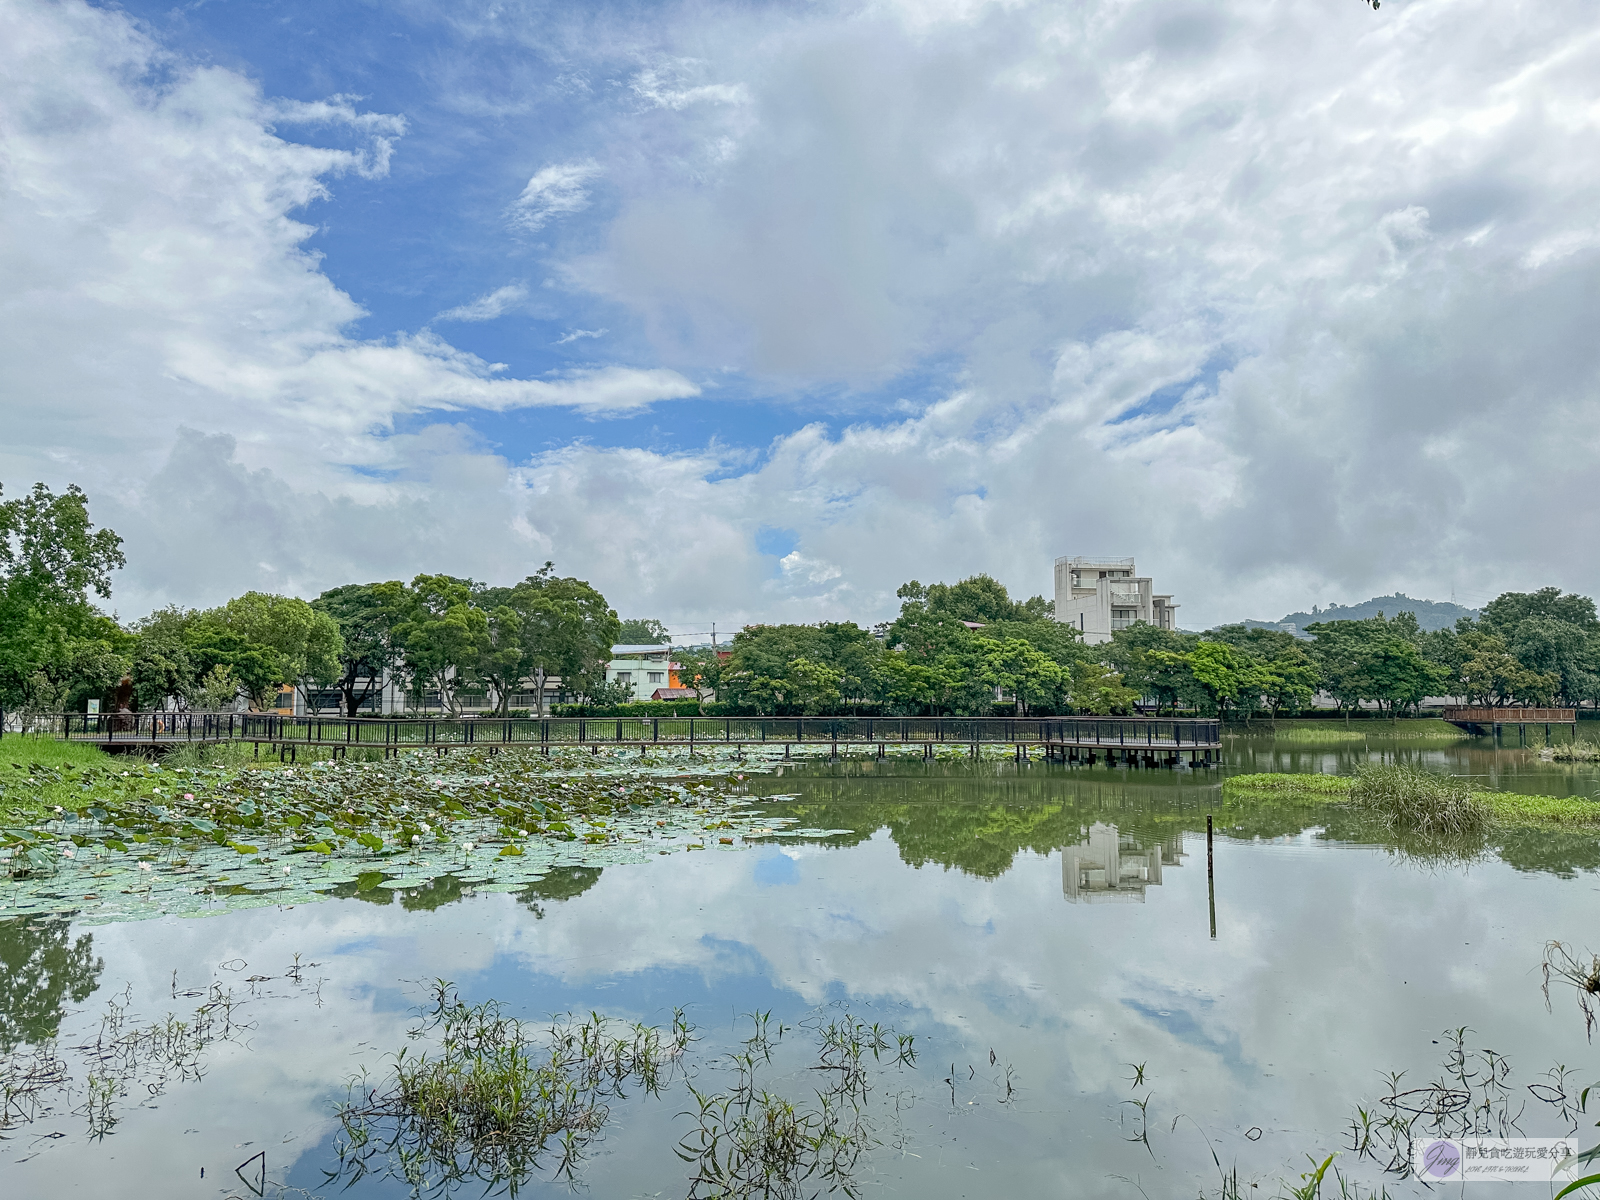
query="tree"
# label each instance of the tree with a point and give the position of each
(1221, 672)
(759, 671)
(978, 598)
(1374, 660)
(51, 559)
(1490, 674)
(307, 642)
(1030, 676)
(813, 686)
(699, 670)
(563, 626)
(442, 635)
(643, 631)
(366, 615)
(1099, 691)
(908, 686)
(216, 654)
(162, 667)
(1550, 632)
(1165, 677)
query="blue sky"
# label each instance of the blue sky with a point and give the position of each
(753, 312)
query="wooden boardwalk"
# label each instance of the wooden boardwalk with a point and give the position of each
(1490, 720)
(1135, 741)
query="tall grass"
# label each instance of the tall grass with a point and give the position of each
(1417, 801)
(1574, 751)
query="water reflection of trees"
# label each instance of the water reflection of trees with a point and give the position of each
(561, 883)
(41, 968)
(978, 822)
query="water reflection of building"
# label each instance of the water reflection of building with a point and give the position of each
(1109, 865)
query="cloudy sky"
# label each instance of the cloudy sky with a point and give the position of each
(755, 311)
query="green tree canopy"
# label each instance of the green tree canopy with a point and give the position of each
(51, 559)
(643, 631)
(546, 625)
(366, 615)
(442, 636)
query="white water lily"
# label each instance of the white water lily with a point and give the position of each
(416, 839)
(469, 847)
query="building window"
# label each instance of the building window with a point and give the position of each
(658, 677)
(1121, 618)
(624, 676)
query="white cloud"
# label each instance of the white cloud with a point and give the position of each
(554, 191)
(156, 276)
(488, 306)
(1287, 300)
(580, 333)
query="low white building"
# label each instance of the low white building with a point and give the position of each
(643, 668)
(1101, 595)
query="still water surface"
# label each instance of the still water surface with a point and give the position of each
(1050, 920)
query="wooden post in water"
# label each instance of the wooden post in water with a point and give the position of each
(1211, 886)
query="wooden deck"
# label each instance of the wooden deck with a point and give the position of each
(1491, 720)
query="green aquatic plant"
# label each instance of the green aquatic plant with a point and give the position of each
(1573, 751)
(496, 1100)
(751, 1142)
(126, 1057)
(1562, 962)
(1414, 800)
(1417, 801)
(139, 839)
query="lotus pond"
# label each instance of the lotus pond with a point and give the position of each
(720, 976)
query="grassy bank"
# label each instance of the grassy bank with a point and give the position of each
(1326, 732)
(1413, 796)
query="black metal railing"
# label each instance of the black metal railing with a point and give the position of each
(1127, 732)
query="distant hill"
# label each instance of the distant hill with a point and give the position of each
(1431, 614)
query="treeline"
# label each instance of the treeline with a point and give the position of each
(963, 648)
(968, 648)
(436, 634)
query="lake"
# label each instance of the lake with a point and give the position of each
(1043, 932)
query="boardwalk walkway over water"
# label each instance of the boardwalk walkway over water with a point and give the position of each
(1490, 720)
(1134, 741)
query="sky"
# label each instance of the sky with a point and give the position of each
(755, 311)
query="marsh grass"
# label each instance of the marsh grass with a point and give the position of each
(1417, 801)
(1574, 751)
(1337, 732)
(751, 1142)
(1562, 962)
(497, 1100)
(1287, 784)
(1472, 1096)
(124, 1057)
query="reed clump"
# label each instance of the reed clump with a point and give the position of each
(1572, 752)
(1417, 801)
(498, 1100)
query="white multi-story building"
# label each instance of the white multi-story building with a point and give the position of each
(643, 668)
(1101, 595)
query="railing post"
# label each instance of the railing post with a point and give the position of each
(655, 729)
